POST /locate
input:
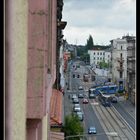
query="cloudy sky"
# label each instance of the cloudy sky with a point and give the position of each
(103, 19)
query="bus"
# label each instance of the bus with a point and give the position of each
(108, 89)
(92, 93)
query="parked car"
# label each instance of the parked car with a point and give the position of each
(80, 115)
(80, 95)
(92, 130)
(85, 101)
(76, 108)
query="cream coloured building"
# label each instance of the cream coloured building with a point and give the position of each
(119, 61)
(97, 56)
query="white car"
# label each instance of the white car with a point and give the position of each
(80, 88)
(76, 108)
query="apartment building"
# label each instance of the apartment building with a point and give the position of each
(119, 62)
(33, 36)
(131, 68)
(97, 56)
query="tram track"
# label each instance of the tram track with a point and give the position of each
(112, 122)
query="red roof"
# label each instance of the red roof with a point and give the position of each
(56, 108)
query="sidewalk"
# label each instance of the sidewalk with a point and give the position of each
(127, 105)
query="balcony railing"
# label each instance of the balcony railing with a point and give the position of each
(131, 59)
(120, 59)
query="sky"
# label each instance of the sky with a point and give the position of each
(104, 20)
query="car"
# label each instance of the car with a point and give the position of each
(80, 115)
(92, 130)
(80, 95)
(75, 100)
(80, 88)
(74, 96)
(85, 101)
(91, 96)
(106, 103)
(114, 100)
(76, 108)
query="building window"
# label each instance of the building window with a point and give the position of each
(121, 47)
(100, 58)
(103, 53)
(94, 53)
(108, 56)
(94, 58)
(121, 55)
(120, 74)
(100, 53)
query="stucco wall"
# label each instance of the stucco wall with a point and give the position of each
(45, 128)
(17, 66)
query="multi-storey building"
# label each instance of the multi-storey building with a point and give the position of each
(119, 62)
(33, 37)
(123, 62)
(97, 56)
(131, 68)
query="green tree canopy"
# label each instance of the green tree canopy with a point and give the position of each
(103, 64)
(73, 126)
(90, 43)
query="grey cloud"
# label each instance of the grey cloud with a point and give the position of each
(90, 4)
(117, 15)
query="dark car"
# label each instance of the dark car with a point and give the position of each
(92, 130)
(114, 100)
(106, 103)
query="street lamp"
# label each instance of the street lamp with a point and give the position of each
(112, 134)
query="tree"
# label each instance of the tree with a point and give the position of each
(90, 43)
(73, 126)
(85, 57)
(103, 64)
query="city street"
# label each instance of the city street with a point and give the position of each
(105, 119)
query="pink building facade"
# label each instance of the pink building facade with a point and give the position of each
(31, 44)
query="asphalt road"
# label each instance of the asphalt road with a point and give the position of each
(90, 118)
(128, 118)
